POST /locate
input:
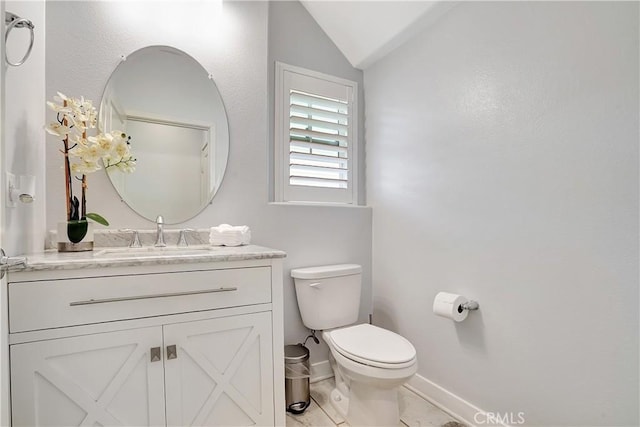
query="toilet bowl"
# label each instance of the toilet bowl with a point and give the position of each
(369, 362)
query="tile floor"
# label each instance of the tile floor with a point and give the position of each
(414, 410)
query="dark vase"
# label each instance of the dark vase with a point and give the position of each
(75, 236)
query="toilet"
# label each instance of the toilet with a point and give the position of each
(369, 363)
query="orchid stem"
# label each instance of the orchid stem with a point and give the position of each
(83, 213)
(67, 169)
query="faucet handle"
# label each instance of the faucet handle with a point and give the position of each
(135, 238)
(159, 219)
(182, 239)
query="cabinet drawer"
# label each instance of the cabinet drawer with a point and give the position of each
(58, 303)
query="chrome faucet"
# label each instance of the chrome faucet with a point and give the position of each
(160, 232)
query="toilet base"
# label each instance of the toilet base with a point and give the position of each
(340, 402)
(367, 406)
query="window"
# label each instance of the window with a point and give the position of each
(315, 137)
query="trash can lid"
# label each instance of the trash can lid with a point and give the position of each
(295, 353)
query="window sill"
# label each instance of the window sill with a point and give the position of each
(320, 205)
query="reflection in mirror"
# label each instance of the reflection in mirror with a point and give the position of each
(166, 102)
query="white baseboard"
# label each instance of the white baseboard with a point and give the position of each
(454, 405)
(320, 371)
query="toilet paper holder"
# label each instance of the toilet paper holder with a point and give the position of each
(469, 306)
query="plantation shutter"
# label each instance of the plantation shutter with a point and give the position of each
(317, 139)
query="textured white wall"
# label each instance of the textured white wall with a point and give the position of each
(312, 49)
(502, 149)
(24, 152)
(84, 44)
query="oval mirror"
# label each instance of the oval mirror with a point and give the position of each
(172, 110)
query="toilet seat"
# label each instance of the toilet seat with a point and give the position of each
(373, 346)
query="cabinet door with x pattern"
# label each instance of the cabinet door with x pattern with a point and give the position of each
(219, 372)
(105, 379)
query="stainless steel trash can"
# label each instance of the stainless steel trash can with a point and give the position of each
(296, 378)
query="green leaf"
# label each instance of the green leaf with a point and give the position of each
(98, 218)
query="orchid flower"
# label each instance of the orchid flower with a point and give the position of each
(84, 154)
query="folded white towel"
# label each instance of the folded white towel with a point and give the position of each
(228, 235)
(226, 228)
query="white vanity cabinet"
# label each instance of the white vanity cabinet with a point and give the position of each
(179, 345)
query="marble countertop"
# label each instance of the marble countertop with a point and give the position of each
(145, 256)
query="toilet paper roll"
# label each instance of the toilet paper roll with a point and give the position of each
(450, 306)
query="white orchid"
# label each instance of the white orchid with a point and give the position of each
(87, 152)
(84, 167)
(120, 155)
(61, 97)
(83, 154)
(78, 112)
(58, 107)
(57, 129)
(75, 117)
(122, 149)
(105, 142)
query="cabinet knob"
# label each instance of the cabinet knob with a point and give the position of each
(172, 352)
(156, 354)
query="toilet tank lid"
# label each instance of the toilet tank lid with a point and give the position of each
(324, 271)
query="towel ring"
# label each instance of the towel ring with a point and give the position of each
(14, 21)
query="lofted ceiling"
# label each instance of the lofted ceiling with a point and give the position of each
(365, 31)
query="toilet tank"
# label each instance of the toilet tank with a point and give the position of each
(328, 296)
